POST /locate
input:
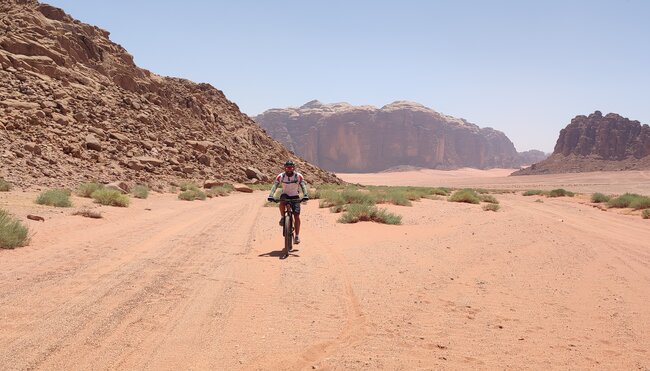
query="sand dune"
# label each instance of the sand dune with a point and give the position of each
(553, 285)
(608, 182)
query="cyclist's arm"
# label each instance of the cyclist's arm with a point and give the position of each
(275, 186)
(303, 186)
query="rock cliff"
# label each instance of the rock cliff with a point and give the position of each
(597, 143)
(345, 138)
(74, 106)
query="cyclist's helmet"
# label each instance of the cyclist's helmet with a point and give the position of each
(289, 166)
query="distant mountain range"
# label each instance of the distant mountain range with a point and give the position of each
(597, 143)
(345, 138)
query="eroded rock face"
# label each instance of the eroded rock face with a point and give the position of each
(345, 138)
(74, 107)
(595, 143)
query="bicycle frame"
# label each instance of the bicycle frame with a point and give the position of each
(287, 229)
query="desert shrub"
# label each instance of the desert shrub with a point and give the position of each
(4, 186)
(481, 191)
(364, 212)
(393, 196)
(110, 197)
(440, 191)
(533, 192)
(330, 198)
(598, 198)
(185, 186)
(488, 198)
(645, 214)
(315, 193)
(191, 195)
(261, 186)
(354, 196)
(140, 191)
(86, 213)
(12, 232)
(220, 191)
(465, 195)
(87, 189)
(632, 200)
(639, 203)
(491, 207)
(54, 197)
(560, 192)
(539, 200)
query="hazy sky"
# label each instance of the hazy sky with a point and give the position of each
(523, 67)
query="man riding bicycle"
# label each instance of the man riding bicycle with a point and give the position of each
(292, 182)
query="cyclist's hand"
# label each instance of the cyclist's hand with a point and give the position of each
(270, 199)
(305, 199)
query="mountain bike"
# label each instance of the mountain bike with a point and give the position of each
(287, 227)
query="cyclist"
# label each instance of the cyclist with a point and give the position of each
(292, 182)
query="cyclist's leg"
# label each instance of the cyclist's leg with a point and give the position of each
(296, 220)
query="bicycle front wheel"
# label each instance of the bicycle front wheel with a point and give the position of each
(288, 234)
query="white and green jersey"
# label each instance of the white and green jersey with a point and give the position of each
(291, 185)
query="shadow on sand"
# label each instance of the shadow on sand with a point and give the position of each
(279, 254)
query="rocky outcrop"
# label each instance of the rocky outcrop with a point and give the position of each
(597, 143)
(75, 107)
(345, 138)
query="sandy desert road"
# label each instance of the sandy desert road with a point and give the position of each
(198, 285)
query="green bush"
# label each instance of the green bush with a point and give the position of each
(465, 195)
(599, 198)
(491, 207)
(353, 196)
(220, 191)
(363, 212)
(87, 189)
(261, 186)
(560, 193)
(191, 195)
(489, 199)
(12, 232)
(110, 197)
(140, 191)
(533, 192)
(185, 186)
(639, 203)
(330, 198)
(54, 197)
(4, 186)
(631, 200)
(393, 196)
(645, 214)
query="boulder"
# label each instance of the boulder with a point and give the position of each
(33, 148)
(212, 183)
(119, 186)
(253, 173)
(148, 160)
(243, 188)
(92, 143)
(118, 136)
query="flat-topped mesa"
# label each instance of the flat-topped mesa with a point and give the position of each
(346, 138)
(75, 107)
(595, 143)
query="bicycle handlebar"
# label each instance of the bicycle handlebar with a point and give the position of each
(300, 200)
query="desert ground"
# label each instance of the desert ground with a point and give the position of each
(168, 284)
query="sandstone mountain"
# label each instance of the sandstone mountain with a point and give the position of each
(345, 138)
(597, 143)
(74, 107)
